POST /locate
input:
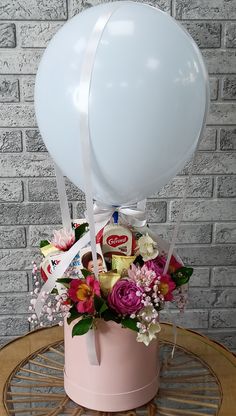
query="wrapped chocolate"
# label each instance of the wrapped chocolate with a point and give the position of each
(107, 281)
(49, 249)
(122, 263)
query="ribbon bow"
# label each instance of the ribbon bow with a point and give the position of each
(130, 215)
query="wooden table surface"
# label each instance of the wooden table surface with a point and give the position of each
(200, 380)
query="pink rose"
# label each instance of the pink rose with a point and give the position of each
(157, 265)
(125, 297)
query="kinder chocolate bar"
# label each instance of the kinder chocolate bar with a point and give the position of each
(83, 260)
(86, 260)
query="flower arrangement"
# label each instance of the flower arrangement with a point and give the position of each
(131, 292)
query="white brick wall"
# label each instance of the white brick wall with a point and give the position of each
(29, 207)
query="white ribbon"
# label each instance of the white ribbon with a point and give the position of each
(65, 212)
(84, 130)
(129, 214)
(91, 343)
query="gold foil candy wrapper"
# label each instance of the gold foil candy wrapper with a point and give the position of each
(49, 249)
(107, 281)
(122, 263)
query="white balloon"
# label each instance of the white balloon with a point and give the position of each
(147, 105)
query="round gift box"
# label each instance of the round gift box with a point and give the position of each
(127, 375)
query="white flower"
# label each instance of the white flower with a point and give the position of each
(147, 248)
(148, 324)
(150, 333)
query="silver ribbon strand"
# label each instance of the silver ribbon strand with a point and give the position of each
(83, 105)
(65, 212)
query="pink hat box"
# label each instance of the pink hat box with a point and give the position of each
(127, 375)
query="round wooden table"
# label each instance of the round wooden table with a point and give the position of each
(200, 379)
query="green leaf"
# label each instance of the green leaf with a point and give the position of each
(100, 304)
(74, 314)
(182, 275)
(64, 280)
(130, 323)
(85, 273)
(109, 315)
(44, 243)
(103, 308)
(83, 326)
(188, 271)
(79, 231)
(139, 261)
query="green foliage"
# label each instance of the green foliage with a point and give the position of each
(182, 275)
(44, 243)
(139, 261)
(130, 323)
(63, 280)
(109, 315)
(74, 314)
(100, 305)
(79, 231)
(85, 273)
(83, 326)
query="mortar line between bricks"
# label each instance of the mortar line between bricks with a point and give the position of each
(15, 271)
(223, 35)
(222, 100)
(191, 199)
(206, 245)
(18, 75)
(202, 175)
(211, 74)
(33, 20)
(220, 20)
(28, 103)
(215, 188)
(178, 198)
(222, 125)
(202, 222)
(214, 233)
(218, 330)
(32, 47)
(15, 295)
(21, 291)
(157, 200)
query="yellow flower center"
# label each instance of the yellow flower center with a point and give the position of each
(83, 292)
(164, 288)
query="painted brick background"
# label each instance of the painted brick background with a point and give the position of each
(29, 207)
